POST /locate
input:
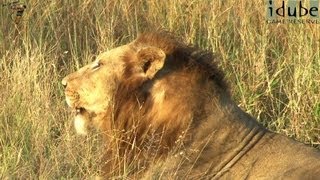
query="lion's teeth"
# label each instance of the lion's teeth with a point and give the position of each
(78, 110)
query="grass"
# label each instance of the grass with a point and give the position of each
(273, 69)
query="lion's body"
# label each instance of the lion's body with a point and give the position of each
(166, 112)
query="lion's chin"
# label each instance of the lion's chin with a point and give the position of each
(81, 121)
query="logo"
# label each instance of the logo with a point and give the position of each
(292, 11)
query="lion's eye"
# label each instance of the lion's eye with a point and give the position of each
(96, 65)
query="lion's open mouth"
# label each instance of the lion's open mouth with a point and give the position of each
(80, 110)
(84, 113)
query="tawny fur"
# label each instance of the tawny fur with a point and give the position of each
(166, 112)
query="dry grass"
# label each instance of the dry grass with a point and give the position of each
(274, 70)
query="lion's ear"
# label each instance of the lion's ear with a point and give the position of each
(152, 60)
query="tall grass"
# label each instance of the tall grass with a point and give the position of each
(273, 69)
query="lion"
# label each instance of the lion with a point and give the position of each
(166, 112)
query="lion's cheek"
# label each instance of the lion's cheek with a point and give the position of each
(81, 124)
(98, 105)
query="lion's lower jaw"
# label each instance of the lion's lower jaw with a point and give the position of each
(81, 124)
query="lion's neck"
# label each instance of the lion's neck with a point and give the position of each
(225, 135)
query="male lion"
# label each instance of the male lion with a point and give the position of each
(166, 112)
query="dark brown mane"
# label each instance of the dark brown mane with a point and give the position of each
(188, 71)
(133, 93)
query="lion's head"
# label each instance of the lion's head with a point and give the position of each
(91, 90)
(146, 73)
